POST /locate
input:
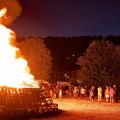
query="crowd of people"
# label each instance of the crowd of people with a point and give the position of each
(108, 93)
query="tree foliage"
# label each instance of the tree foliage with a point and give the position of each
(100, 64)
(38, 56)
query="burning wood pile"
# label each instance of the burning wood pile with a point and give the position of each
(25, 101)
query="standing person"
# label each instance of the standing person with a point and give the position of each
(107, 95)
(75, 92)
(116, 93)
(99, 93)
(70, 91)
(82, 92)
(60, 93)
(54, 93)
(112, 93)
(92, 93)
(51, 93)
(85, 91)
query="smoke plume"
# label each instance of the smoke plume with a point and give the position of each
(13, 10)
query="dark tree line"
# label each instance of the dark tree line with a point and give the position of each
(63, 47)
(100, 64)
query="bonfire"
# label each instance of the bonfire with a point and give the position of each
(19, 92)
(14, 71)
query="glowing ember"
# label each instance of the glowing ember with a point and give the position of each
(13, 71)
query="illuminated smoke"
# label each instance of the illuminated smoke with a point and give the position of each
(13, 10)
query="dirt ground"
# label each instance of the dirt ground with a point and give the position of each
(77, 109)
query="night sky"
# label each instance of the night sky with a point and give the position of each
(68, 18)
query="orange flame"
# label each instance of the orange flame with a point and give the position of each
(3, 12)
(12, 70)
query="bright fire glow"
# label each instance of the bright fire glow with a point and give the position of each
(12, 70)
(2, 12)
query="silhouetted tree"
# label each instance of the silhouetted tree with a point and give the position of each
(38, 56)
(101, 64)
